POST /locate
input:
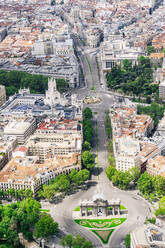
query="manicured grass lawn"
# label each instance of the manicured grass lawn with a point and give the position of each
(122, 207)
(104, 235)
(89, 209)
(44, 210)
(77, 209)
(100, 223)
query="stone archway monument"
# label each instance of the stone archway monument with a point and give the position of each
(100, 207)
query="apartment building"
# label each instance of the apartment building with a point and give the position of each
(156, 166)
(129, 129)
(61, 126)
(160, 131)
(50, 145)
(2, 95)
(126, 152)
(24, 173)
(148, 150)
(93, 37)
(7, 145)
(20, 129)
(125, 121)
(63, 48)
(162, 90)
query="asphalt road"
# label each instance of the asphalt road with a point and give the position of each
(138, 208)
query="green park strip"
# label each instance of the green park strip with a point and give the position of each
(90, 68)
(100, 223)
(104, 235)
(97, 150)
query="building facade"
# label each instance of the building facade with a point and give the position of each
(21, 129)
(148, 236)
(2, 95)
(29, 173)
(53, 144)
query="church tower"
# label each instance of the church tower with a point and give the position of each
(52, 95)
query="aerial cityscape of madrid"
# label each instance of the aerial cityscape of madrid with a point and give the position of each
(82, 123)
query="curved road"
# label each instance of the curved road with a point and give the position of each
(138, 208)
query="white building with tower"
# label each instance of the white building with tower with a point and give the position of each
(53, 96)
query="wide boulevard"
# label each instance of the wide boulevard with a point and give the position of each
(138, 208)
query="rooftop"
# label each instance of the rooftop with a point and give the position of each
(29, 170)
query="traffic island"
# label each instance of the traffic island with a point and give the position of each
(102, 228)
(103, 235)
(100, 216)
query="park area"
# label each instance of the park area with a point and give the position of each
(103, 228)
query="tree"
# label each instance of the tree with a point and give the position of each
(88, 159)
(81, 242)
(45, 226)
(67, 241)
(75, 242)
(87, 113)
(14, 80)
(135, 173)
(148, 99)
(110, 172)
(127, 65)
(61, 183)
(73, 176)
(122, 179)
(88, 134)
(84, 175)
(159, 185)
(47, 192)
(86, 146)
(27, 215)
(111, 160)
(79, 177)
(62, 85)
(31, 208)
(161, 209)
(145, 184)
(28, 193)
(128, 241)
(132, 79)
(150, 49)
(162, 202)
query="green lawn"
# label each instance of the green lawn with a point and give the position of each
(104, 235)
(100, 223)
(77, 209)
(122, 207)
(89, 209)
